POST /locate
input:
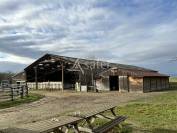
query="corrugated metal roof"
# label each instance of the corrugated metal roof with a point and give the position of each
(129, 69)
(152, 74)
(87, 61)
(134, 73)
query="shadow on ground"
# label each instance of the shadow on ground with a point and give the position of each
(129, 128)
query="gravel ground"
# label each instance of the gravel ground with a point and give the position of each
(58, 103)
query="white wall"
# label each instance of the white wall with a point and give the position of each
(103, 84)
(45, 85)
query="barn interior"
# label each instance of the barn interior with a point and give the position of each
(52, 70)
(114, 83)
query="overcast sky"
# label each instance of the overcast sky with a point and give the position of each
(138, 32)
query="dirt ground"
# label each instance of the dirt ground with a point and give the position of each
(58, 103)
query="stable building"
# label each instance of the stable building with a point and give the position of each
(19, 78)
(67, 73)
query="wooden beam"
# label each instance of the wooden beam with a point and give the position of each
(26, 85)
(102, 116)
(84, 129)
(36, 79)
(93, 80)
(62, 77)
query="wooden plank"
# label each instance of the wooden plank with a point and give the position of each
(53, 124)
(36, 77)
(62, 77)
(106, 127)
(91, 113)
(4, 94)
(49, 125)
(5, 97)
(16, 130)
(104, 117)
(85, 130)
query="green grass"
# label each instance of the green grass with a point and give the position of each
(173, 79)
(156, 115)
(122, 128)
(31, 98)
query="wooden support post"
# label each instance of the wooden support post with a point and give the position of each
(36, 80)
(12, 94)
(76, 129)
(93, 80)
(79, 82)
(150, 84)
(21, 88)
(62, 77)
(113, 112)
(88, 120)
(57, 130)
(26, 85)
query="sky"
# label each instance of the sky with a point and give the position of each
(136, 32)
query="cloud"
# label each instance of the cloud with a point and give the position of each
(134, 32)
(4, 57)
(11, 67)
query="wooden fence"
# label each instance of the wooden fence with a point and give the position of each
(13, 92)
(173, 85)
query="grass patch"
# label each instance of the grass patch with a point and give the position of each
(173, 83)
(173, 79)
(122, 128)
(157, 114)
(31, 98)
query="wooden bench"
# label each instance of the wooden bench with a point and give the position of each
(100, 113)
(75, 122)
(57, 124)
(16, 130)
(106, 127)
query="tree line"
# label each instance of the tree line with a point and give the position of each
(6, 76)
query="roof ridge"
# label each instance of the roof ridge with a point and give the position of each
(123, 65)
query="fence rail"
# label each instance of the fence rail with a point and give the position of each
(173, 84)
(13, 92)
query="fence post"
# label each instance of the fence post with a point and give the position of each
(22, 91)
(12, 95)
(26, 87)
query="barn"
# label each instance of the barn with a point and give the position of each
(67, 73)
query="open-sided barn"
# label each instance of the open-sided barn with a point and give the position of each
(60, 72)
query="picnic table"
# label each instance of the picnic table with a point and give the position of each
(75, 121)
